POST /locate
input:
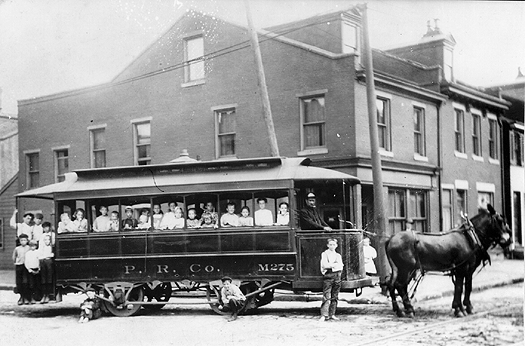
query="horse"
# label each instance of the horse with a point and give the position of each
(459, 251)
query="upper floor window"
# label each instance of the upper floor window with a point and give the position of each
(448, 60)
(350, 38)
(516, 148)
(476, 134)
(493, 139)
(61, 164)
(98, 147)
(419, 131)
(142, 143)
(225, 130)
(383, 123)
(313, 120)
(459, 130)
(194, 58)
(33, 170)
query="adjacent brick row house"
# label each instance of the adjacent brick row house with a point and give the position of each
(195, 88)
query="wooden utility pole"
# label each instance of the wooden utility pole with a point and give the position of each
(274, 148)
(379, 210)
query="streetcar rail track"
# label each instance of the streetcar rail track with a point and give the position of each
(438, 324)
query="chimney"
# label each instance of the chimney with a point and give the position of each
(437, 31)
(520, 75)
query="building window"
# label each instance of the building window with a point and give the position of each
(419, 131)
(383, 123)
(142, 142)
(417, 209)
(447, 209)
(33, 170)
(225, 125)
(485, 198)
(98, 148)
(459, 130)
(448, 60)
(404, 204)
(350, 38)
(61, 164)
(476, 134)
(397, 211)
(516, 148)
(461, 204)
(313, 120)
(194, 59)
(493, 139)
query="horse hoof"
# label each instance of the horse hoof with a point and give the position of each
(470, 311)
(400, 314)
(410, 314)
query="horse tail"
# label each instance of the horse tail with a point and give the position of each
(393, 268)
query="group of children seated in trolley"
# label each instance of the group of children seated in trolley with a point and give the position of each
(175, 218)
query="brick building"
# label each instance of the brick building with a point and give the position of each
(513, 161)
(195, 88)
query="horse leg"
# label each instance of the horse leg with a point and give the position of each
(458, 291)
(468, 290)
(392, 285)
(403, 292)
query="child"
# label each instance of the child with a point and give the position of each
(113, 222)
(32, 264)
(369, 254)
(263, 216)
(46, 267)
(179, 220)
(144, 219)
(209, 208)
(46, 227)
(245, 219)
(90, 308)
(283, 217)
(157, 216)
(37, 227)
(192, 221)
(168, 221)
(21, 273)
(80, 223)
(129, 222)
(25, 227)
(230, 219)
(65, 225)
(331, 268)
(207, 221)
(232, 297)
(101, 223)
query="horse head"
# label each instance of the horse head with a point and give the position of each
(499, 232)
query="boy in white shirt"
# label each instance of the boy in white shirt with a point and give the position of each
(331, 268)
(46, 267)
(32, 264)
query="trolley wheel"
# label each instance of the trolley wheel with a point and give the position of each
(213, 296)
(257, 300)
(129, 309)
(161, 293)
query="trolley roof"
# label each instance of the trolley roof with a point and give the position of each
(273, 172)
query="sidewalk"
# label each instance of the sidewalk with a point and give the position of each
(502, 272)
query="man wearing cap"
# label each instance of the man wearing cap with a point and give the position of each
(232, 297)
(309, 216)
(409, 224)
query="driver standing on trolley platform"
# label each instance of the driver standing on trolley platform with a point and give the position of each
(309, 216)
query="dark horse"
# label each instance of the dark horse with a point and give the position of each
(459, 251)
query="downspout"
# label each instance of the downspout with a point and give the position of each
(439, 167)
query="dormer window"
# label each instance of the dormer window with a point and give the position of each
(350, 38)
(448, 59)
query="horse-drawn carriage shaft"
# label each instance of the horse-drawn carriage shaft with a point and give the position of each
(459, 251)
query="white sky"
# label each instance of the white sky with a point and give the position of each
(49, 46)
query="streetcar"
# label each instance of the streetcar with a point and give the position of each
(134, 268)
